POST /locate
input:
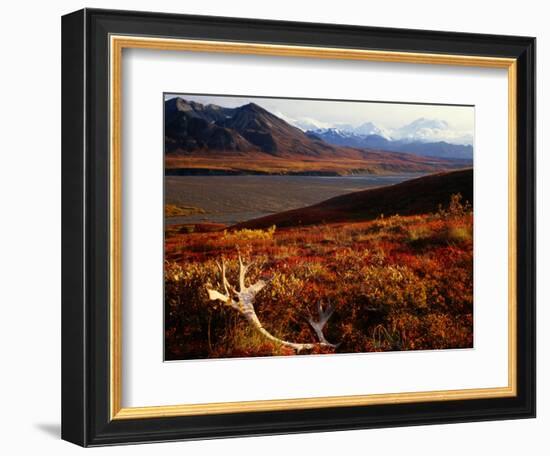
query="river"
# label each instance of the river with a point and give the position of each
(233, 199)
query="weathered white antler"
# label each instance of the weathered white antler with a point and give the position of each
(244, 304)
(324, 315)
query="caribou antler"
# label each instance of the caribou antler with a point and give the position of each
(324, 315)
(244, 304)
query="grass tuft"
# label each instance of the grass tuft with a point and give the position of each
(173, 210)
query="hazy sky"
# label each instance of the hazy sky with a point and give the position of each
(456, 123)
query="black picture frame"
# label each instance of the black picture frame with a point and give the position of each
(85, 224)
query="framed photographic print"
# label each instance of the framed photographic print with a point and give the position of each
(277, 227)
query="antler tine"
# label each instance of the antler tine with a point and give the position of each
(324, 315)
(243, 269)
(226, 285)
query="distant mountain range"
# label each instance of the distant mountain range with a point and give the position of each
(371, 137)
(204, 138)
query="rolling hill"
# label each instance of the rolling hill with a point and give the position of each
(415, 196)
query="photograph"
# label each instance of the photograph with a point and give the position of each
(285, 223)
(315, 226)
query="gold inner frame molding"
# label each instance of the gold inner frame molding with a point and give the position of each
(117, 45)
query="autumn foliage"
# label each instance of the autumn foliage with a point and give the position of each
(397, 283)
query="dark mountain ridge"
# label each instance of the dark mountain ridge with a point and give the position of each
(191, 127)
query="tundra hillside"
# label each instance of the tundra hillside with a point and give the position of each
(398, 275)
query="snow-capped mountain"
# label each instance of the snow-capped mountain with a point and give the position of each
(306, 124)
(429, 137)
(401, 141)
(430, 130)
(347, 130)
(369, 128)
(421, 130)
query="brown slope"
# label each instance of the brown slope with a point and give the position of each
(262, 163)
(415, 196)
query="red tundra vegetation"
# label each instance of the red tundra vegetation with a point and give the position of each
(399, 282)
